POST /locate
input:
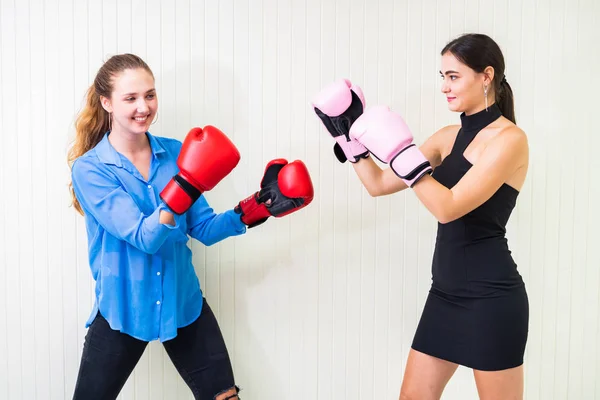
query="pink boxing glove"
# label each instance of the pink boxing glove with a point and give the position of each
(387, 136)
(338, 105)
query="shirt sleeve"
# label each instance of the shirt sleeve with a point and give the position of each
(103, 197)
(209, 227)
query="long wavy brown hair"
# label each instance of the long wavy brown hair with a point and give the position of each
(94, 121)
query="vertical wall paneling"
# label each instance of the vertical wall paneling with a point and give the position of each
(324, 303)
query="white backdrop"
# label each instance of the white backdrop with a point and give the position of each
(322, 304)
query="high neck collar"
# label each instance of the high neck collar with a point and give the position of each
(481, 119)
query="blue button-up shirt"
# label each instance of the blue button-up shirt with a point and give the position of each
(146, 285)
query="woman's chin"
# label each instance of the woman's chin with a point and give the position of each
(453, 106)
(139, 128)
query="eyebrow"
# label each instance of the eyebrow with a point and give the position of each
(131, 94)
(449, 72)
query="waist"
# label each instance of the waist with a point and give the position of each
(489, 241)
(464, 232)
(474, 267)
(489, 250)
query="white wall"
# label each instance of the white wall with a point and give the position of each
(322, 304)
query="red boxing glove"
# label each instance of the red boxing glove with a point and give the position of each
(207, 156)
(285, 188)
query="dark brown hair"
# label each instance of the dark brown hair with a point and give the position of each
(478, 52)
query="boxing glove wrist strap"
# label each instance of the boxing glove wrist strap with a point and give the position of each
(410, 165)
(252, 212)
(187, 187)
(351, 151)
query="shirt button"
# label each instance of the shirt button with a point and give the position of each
(149, 186)
(158, 273)
(157, 302)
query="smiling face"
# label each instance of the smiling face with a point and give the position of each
(463, 86)
(133, 102)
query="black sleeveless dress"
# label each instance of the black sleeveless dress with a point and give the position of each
(477, 311)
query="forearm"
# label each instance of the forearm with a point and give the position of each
(151, 232)
(437, 198)
(118, 214)
(218, 227)
(378, 182)
(166, 218)
(208, 227)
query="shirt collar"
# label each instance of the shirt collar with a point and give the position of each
(108, 155)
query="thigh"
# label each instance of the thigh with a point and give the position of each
(425, 377)
(107, 360)
(506, 384)
(200, 356)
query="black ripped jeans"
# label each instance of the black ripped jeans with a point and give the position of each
(198, 352)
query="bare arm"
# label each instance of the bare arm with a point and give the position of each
(381, 182)
(503, 156)
(166, 218)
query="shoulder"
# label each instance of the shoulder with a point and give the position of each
(509, 147)
(511, 138)
(88, 169)
(86, 162)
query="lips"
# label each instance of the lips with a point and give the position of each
(450, 99)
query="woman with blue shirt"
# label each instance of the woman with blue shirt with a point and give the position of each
(126, 182)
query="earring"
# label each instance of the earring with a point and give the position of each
(155, 119)
(485, 92)
(110, 122)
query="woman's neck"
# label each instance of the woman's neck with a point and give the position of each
(128, 143)
(477, 108)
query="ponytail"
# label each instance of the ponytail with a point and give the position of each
(505, 100)
(90, 126)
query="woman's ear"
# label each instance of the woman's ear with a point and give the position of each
(106, 104)
(488, 76)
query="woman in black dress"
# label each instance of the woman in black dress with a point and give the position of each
(477, 312)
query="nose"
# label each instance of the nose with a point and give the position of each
(445, 87)
(142, 107)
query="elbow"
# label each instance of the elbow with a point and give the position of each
(204, 237)
(208, 243)
(214, 239)
(373, 191)
(445, 217)
(150, 245)
(444, 220)
(150, 248)
(207, 239)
